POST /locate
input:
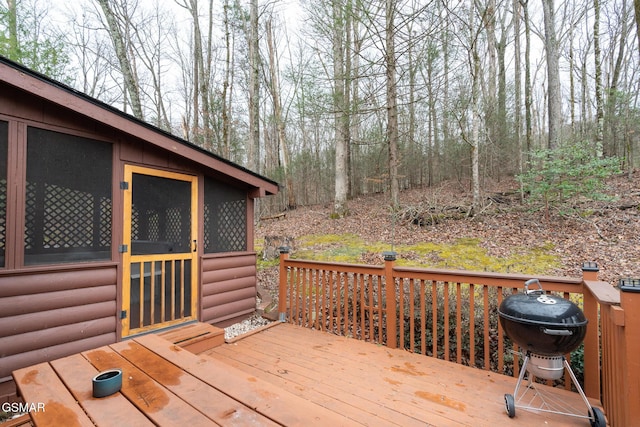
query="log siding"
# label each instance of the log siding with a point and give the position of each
(46, 314)
(228, 286)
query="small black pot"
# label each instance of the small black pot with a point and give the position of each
(543, 324)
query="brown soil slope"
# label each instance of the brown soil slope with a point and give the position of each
(605, 232)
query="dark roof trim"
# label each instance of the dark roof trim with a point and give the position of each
(266, 185)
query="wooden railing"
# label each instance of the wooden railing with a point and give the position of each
(620, 343)
(452, 315)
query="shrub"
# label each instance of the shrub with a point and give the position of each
(556, 176)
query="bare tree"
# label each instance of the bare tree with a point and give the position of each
(254, 88)
(118, 24)
(275, 89)
(202, 58)
(554, 95)
(637, 14)
(340, 27)
(226, 121)
(517, 81)
(474, 141)
(598, 67)
(392, 106)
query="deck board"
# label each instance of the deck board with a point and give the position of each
(280, 405)
(75, 370)
(162, 406)
(375, 385)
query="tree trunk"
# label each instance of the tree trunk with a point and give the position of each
(554, 95)
(528, 102)
(611, 148)
(392, 107)
(278, 116)
(226, 150)
(598, 66)
(254, 89)
(120, 46)
(14, 49)
(474, 141)
(572, 85)
(341, 114)
(490, 106)
(517, 81)
(636, 5)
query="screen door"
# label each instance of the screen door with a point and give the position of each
(160, 248)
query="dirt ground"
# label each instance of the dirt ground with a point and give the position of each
(605, 232)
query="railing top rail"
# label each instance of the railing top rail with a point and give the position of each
(514, 280)
(603, 292)
(335, 266)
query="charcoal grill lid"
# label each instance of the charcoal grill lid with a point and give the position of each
(541, 309)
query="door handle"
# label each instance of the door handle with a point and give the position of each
(195, 246)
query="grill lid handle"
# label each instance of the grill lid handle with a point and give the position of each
(530, 282)
(557, 332)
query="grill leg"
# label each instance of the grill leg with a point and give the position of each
(523, 371)
(577, 384)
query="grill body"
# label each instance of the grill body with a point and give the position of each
(546, 327)
(543, 324)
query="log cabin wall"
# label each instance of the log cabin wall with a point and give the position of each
(50, 313)
(228, 287)
(49, 310)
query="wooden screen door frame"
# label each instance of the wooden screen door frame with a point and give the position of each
(157, 261)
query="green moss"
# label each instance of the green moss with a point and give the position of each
(267, 263)
(464, 253)
(325, 239)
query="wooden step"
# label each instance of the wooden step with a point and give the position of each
(195, 337)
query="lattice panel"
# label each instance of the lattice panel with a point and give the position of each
(225, 217)
(135, 222)
(3, 214)
(68, 198)
(105, 222)
(68, 218)
(64, 219)
(207, 229)
(30, 217)
(225, 227)
(232, 226)
(172, 227)
(177, 228)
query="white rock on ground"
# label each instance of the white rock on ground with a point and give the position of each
(245, 326)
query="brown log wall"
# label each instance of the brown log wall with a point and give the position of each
(47, 314)
(228, 286)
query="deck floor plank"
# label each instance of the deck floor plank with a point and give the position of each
(313, 384)
(414, 370)
(280, 405)
(76, 372)
(40, 382)
(161, 405)
(354, 406)
(356, 378)
(222, 409)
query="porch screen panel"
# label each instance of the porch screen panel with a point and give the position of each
(68, 198)
(161, 215)
(225, 217)
(4, 143)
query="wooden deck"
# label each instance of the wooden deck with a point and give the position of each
(374, 385)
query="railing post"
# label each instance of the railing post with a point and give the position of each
(390, 298)
(630, 303)
(282, 285)
(591, 340)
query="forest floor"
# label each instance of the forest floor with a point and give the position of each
(434, 230)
